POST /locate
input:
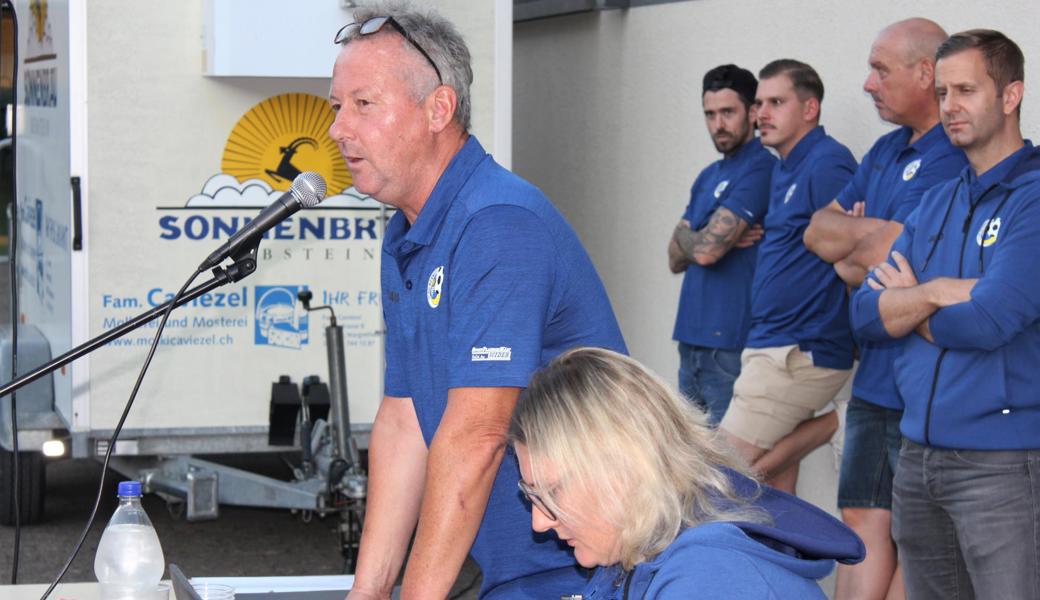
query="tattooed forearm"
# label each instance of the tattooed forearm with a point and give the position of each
(677, 261)
(714, 240)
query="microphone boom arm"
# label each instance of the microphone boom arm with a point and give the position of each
(243, 266)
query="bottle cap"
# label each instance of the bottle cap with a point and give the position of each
(130, 488)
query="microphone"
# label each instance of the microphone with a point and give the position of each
(308, 189)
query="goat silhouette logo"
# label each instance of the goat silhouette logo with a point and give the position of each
(281, 137)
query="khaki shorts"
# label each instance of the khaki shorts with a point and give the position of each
(777, 389)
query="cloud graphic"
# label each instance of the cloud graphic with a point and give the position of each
(223, 190)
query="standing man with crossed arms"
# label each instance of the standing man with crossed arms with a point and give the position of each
(900, 167)
(962, 289)
(799, 348)
(727, 198)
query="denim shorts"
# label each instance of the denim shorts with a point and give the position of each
(706, 377)
(868, 464)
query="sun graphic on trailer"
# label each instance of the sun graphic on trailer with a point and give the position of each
(281, 137)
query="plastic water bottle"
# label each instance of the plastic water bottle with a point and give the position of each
(129, 561)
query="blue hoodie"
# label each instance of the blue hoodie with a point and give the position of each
(737, 561)
(975, 388)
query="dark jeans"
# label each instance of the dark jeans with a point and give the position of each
(706, 377)
(967, 522)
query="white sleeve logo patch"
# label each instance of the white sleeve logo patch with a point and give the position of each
(483, 353)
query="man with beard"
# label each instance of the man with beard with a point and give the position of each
(713, 244)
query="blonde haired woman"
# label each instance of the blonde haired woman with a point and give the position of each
(630, 475)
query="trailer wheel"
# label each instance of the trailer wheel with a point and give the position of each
(32, 475)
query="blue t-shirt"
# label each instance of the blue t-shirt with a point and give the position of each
(489, 284)
(891, 180)
(715, 302)
(796, 298)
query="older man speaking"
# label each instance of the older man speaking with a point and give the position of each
(483, 282)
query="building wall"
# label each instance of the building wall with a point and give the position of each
(607, 121)
(607, 116)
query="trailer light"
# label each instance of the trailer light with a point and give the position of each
(54, 448)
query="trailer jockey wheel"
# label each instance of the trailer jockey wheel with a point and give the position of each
(32, 475)
(350, 523)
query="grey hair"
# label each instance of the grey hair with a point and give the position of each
(438, 37)
(631, 447)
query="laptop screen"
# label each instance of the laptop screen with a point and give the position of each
(183, 590)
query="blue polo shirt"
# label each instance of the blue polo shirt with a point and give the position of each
(796, 298)
(891, 180)
(715, 302)
(489, 284)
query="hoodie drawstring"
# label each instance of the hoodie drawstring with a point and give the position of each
(967, 221)
(942, 227)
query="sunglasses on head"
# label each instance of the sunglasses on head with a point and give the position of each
(374, 25)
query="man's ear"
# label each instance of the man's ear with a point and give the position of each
(441, 105)
(811, 109)
(926, 74)
(1013, 96)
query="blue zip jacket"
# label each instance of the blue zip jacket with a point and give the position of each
(740, 561)
(975, 387)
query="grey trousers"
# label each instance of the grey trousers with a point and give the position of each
(967, 523)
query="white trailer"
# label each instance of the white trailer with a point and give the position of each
(147, 134)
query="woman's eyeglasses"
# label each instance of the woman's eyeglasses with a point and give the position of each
(535, 500)
(374, 25)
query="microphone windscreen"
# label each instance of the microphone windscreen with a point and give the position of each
(308, 188)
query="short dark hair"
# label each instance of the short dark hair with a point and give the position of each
(805, 79)
(731, 77)
(1004, 60)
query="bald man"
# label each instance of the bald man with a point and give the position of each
(856, 231)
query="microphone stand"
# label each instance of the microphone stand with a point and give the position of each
(243, 266)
